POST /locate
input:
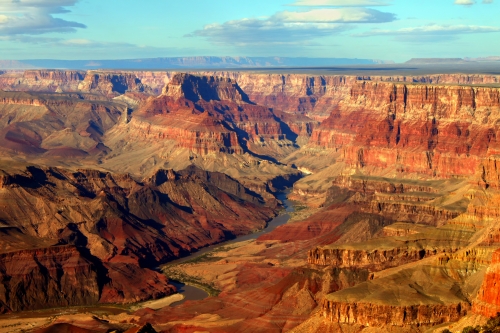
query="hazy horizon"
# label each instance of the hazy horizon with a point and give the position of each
(366, 29)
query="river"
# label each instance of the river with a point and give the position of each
(192, 293)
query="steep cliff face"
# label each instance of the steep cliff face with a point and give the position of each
(56, 76)
(454, 79)
(400, 199)
(376, 259)
(195, 88)
(488, 298)
(51, 277)
(385, 315)
(411, 296)
(41, 80)
(396, 245)
(314, 96)
(422, 155)
(212, 114)
(155, 80)
(435, 130)
(414, 153)
(111, 84)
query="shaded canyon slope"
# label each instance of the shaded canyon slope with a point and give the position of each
(87, 236)
(398, 229)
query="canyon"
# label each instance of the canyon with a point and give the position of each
(107, 176)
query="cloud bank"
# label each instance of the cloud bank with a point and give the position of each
(471, 2)
(35, 17)
(340, 3)
(341, 15)
(432, 30)
(290, 27)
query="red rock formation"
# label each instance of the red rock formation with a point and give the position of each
(489, 175)
(155, 80)
(435, 130)
(32, 123)
(210, 114)
(314, 96)
(195, 88)
(368, 185)
(317, 96)
(66, 328)
(41, 80)
(488, 300)
(375, 260)
(454, 79)
(281, 301)
(93, 324)
(378, 129)
(62, 76)
(369, 314)
(111, 83)
(120, 227)
(52, 277)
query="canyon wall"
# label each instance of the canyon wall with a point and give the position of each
(488, 299)
(213, 114)
(369, 314)
(51, 277)
(436, 130)
(313, 95)
(413, 177)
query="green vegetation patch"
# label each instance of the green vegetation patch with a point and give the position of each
(176, 274)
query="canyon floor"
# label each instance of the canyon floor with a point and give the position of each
(287, 202)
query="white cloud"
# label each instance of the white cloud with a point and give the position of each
(29, 39)
(429, 31)
(20, 5)
(465, 2)
(68, 43)
(438, 29)
(33, 17)
(340, 3)
(471, 2)
(290, 27)
(87, 43)
(257, 32)
(339, 15)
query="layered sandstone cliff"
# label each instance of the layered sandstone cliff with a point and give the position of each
(488, 298)
(314, 95)
(111, 84)
(42, 80)
(435, 130)
(211, 115)
(417, 296)
(49, 277)
(367, 314)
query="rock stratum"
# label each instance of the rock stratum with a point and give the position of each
(107, 175)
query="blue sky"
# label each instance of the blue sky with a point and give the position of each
(376, 29)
